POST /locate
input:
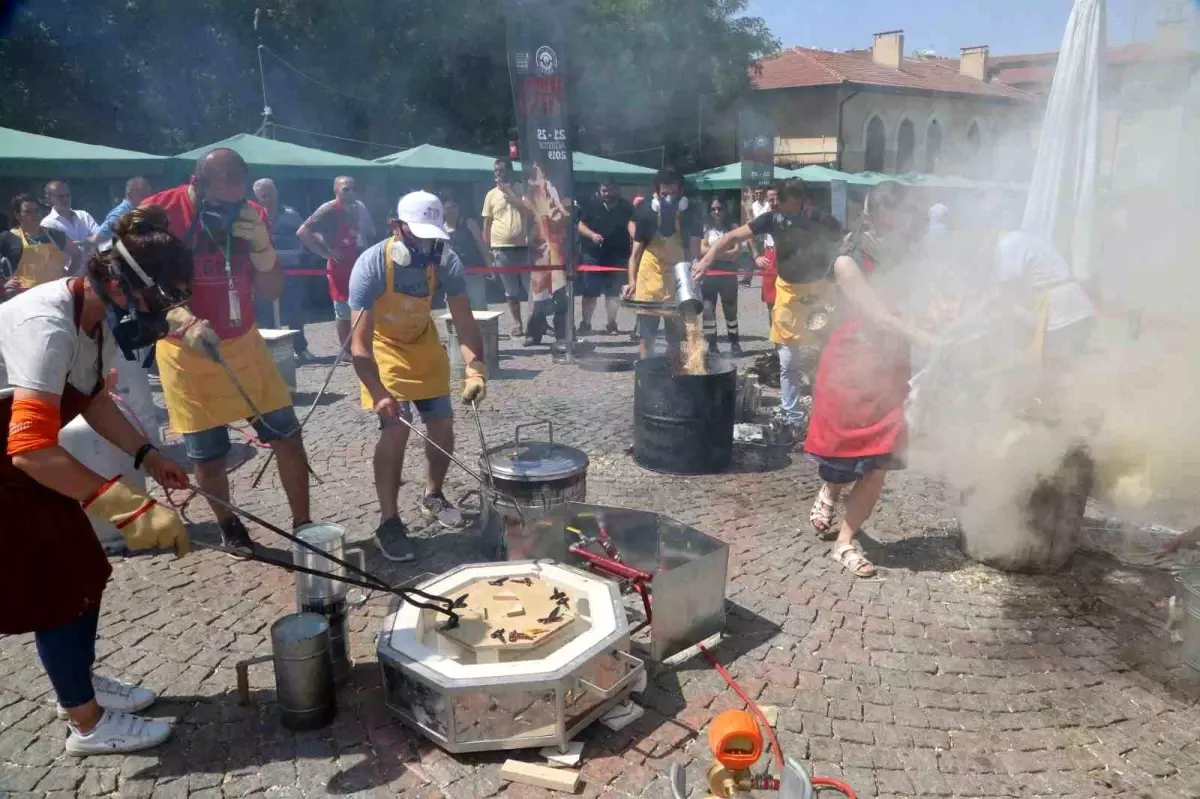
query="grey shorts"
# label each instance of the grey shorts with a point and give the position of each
(647, 329)
(516, 284)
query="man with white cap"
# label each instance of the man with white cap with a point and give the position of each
(400, 361)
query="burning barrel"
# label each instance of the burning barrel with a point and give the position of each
(683, 424)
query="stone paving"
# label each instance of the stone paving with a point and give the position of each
(939, 678)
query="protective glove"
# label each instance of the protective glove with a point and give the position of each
(193, 332)
(143, 523)
(250, 226)
(475, 386)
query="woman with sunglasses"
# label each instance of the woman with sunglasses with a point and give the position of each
(722, 287)
(58, 342)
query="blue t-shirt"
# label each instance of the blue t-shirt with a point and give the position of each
(368, 280)
(110, 221)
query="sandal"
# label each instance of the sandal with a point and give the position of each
(853, 560)
(822, 512)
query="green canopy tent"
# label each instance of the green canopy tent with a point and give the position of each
(823, 174)
(29, 155)
(594, 168)
(429, 161)
(281, 159)
(725, 178)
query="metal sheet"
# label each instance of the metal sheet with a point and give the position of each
(690, 567)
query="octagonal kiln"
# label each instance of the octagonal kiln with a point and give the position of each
(540, 652)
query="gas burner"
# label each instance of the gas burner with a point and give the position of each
(540, 652)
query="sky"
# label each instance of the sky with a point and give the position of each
(1007, 26)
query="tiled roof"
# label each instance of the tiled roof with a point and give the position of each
(1023, 69)
(801, 67)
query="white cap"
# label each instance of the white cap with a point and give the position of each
(422, 212)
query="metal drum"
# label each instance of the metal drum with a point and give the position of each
(683, 424)
(526, 477)
(303, 671)
(323, 595)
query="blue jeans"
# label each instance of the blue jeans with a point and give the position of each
(67, 654)
(790, 383)
(213, 444)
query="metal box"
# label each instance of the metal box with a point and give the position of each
(545, 699)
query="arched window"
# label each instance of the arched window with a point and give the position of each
(876, 145)
(974, 140)
(906, 144)
(933, 147)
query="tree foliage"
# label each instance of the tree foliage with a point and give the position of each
(165, 76)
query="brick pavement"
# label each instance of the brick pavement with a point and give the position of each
(941, 678)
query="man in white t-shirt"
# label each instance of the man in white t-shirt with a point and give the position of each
(1038, 278)
(78, 226)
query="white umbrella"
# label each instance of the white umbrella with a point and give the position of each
(1062, 192)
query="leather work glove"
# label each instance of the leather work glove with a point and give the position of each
(250, 226)
(143, 523)
(475, 386)
(193, 332)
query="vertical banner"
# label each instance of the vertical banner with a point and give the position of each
(837, 199)
(756, 137)
(539, 82)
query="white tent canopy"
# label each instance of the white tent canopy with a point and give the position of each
(1062, 191)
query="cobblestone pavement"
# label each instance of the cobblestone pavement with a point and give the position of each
(940, 678)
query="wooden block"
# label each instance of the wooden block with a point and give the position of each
(554, 779)
(515, 610)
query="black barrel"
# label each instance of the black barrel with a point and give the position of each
(683, 424)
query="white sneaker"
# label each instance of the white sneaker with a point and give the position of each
(115, 695)
(118, 732)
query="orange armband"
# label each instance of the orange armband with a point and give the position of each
(34, 425)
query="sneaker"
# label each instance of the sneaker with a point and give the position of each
(118, 732)
(611, 329)
(713, 349)
(436, 506)
(735, 348)
(392, 539)
(304, 356)
(584, 328)
(530, 341)
(235, 538)
(115, 695)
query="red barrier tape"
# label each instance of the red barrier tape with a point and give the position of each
(513, 270)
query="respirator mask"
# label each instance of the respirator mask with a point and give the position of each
(408, 250)
(216, 217)
(133, 328)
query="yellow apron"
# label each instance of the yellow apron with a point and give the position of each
(794, 303)
(1036, 352)
(412, 363)
(655, 280)
(200, 395)
(40, 263)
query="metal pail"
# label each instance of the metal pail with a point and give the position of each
(303, 671)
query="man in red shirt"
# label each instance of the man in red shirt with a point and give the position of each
(230, 240)
(339, 231)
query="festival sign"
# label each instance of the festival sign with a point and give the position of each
(538, 75)
(756, 145)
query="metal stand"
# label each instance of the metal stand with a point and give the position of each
(570, 354)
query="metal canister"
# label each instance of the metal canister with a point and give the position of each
(303, 671)
(327, 595)
(687, 291)
(526, 477)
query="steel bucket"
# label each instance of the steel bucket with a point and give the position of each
(324, 595)
(687, 291)
(303, 671)
(1189, 595)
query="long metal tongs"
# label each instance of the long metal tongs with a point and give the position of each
(438, 604)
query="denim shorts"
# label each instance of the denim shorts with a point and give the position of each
(430, 409)
(341, 311)
(516, 284)
(213, 444)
